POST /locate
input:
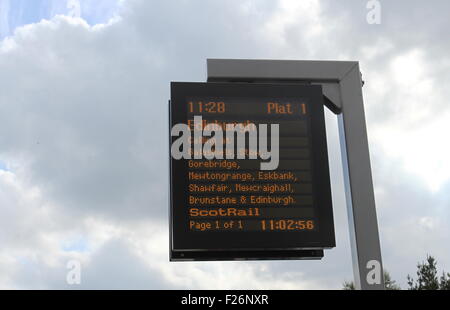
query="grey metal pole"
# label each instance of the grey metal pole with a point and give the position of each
(364, 238)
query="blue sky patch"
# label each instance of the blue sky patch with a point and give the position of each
(16, 13)
(78, 244)
(3, 166)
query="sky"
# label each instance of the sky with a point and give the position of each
(83, 133)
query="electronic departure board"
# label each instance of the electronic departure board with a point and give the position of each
(253, 180)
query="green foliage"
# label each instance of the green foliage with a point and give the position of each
(427, 277)
(389, 284)
(348, 286)
(445, 281)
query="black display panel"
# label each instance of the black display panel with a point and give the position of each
(224, 209)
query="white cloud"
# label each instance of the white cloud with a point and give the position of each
(293, 21)
(418, 122)
(85, 112)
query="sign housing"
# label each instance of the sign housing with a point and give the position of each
(229, 209)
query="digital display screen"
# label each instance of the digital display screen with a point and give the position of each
(223, 198)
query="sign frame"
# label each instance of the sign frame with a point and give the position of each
(185, 245)
(342, 85)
